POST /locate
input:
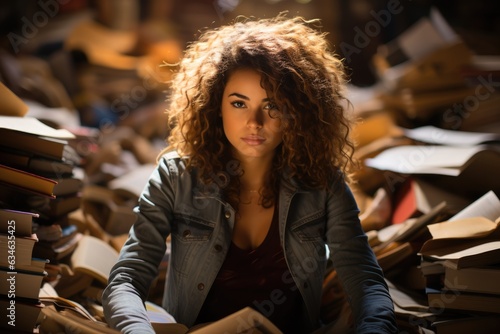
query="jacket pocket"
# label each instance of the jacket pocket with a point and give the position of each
(311, 227)
(187, 228)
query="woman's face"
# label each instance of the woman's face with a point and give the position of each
(246, 116)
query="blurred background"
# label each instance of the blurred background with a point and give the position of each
(101, 68)
(476, 21)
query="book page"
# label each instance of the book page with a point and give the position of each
(487, 206)
(434, 135)
(473, 227)
(94, 257)
(12, 105)
(444, 254)
(421, 39)
(441, 25)
(33, 126)
(242, 321)
(133, 182)
(424, 159)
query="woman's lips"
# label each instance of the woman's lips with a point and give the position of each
(253, 140)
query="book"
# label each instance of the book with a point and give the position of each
(94, 257)
(423, 105)
(462, 253)
(395, 254)
(113, 213)
(473, 279)
(20, 223)
(12, 105)
(484, 324)
(473, 227)
(416, 197)
(16, 250)
(422, 38)
(464, 301)
(62, 318)
(28, 134)
(49, 232)
(411, 229)
(34, 164)
(69, 283)
(69, 184)
(26, 284)
(24, 180)
(51, 148)
(36, 265)
(56, 254)
(21, 316)
(487, 205)
(437, 159)
(429, 55)
(433, 135)
(54, 208)
(409, 302)
(432, 267)
(162, 321)
(64, 236)
(468, 238)
(131, 184)
(246, 320)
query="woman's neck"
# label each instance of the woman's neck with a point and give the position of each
(255, 175)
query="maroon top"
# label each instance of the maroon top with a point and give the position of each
(258, 278)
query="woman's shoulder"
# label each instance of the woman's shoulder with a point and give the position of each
(170, 155)
(173, 161)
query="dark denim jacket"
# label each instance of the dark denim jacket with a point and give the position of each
(201, 224)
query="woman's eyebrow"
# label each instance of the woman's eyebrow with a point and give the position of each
(241, 96)
(244, 97)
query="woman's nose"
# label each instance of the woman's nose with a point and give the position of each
(256, 118)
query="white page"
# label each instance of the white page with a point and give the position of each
(424, 159)
(434, 135)
(441, 25)
(479, 249)
(421, 39)
(487, 206)
(33, 126)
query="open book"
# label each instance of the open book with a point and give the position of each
(94, 257)
(244, 321)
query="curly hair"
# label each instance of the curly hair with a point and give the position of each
(302, 76)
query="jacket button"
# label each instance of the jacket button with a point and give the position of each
(186, 233)
(227, 214)
(218, 248)
(201, 286)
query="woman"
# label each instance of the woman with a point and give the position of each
(251, 189)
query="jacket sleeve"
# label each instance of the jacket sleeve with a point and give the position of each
(131, 277)
(357, 266)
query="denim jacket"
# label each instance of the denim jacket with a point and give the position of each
(200, 225)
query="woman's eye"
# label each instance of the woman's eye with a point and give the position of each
(238, 104)
(271, 106)
(272, 110)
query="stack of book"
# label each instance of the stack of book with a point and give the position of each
(422, 69)
(21, 275)
(432, 180)
(449, 159)
(461, 264)
(41, 174)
